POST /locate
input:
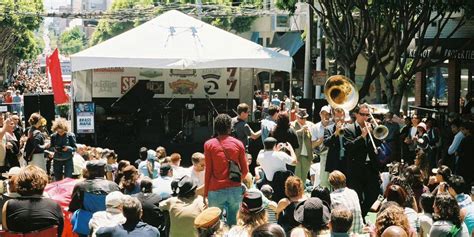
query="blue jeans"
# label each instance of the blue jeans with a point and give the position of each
(63, 169)
(228, 199)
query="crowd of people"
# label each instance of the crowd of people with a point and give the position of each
(323, 179)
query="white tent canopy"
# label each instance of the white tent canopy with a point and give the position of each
(175, 40)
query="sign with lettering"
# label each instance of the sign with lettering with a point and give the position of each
(167, 83)
(85, 122)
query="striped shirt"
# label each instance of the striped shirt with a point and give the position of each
(349, 199)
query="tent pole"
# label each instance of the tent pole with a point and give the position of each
(291, 86)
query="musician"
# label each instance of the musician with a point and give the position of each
(304, 152)
(362, 165)
(317, 136)
(240, 129)
(333, 140)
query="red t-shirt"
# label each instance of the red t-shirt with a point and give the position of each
(217, 170)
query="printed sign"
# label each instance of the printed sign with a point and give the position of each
(167, 83)
(84, 117)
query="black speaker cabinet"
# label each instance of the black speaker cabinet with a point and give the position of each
(42, 103)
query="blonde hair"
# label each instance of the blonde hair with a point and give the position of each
(60, 123)
(337, 179)
(251, 221)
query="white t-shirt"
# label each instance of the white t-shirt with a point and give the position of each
(317, 131)
(315, 169)
(273, 161)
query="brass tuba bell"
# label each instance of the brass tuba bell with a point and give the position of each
(341, 92)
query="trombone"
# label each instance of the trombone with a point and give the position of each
(341, 92)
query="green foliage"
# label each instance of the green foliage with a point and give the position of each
(16, 30)
(107, 29)
(289, 5)
(242, 24)
(72, 41)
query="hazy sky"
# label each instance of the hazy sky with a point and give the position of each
(54, 4)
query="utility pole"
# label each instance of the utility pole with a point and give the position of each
(308, 72)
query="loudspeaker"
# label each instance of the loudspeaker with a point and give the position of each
(318, 104)
(44, 104)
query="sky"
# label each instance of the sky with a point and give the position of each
(54, 4)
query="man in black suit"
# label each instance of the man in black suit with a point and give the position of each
(362, 165)
(334, 140)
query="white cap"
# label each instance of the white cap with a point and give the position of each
(347, 117)
(326, 108)
(13, 171)
(114, 199)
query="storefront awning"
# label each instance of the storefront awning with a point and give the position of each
(290, 42)
(462, 49)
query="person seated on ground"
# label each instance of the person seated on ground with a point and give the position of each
(121, 166)
(414, 179)
(391, 215)
(341, 222)
(268, 230)
(459, 190)
(399, 195)
(183, 208)
(300, 232)
(112, 166)
(426, 217)
(197, 170)
(31, 211)
(150, 203)
(441, 174)
(208, 223)
(160, 153)
(324, 194)
(286, 207)
(132, 210)
(342, 195)
(178, 171)
(394, 231)
(162, 184)
(112, 216)
(447, 217)
(271, 206)
(313, 215)
(250, 215)
(130, 181)
(142, 155)
(272, 159)
(150, 167)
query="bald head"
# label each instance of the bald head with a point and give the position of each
(394, 231)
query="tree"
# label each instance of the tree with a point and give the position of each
(18, 21)
(72, 41)
(381, 31)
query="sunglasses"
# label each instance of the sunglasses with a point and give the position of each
(363, 114)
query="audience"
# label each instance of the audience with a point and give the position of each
(112, 215)
(447, 218)
(250, 215)
(133, 226)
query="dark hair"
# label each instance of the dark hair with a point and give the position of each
(282, 123)
(242, 108)
(268, 230)
(426, 202)
(456, 123)
(31, 181)
(358, 107)
(34, 119)
(468, 125)
(223, 124)
(392, 215)
(272, 110)
(341, 220)
(121, 165)
(447, 209)
(268, 144)
(445, 172)
(397, 194)
(414, 177)
(132, 209)
(146, 185)
(324, 194)
(458, 184)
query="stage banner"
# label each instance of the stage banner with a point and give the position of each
(167, 83)
(85, 122)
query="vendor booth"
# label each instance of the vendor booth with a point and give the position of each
(163, 81)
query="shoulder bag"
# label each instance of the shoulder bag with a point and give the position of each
(235, 174)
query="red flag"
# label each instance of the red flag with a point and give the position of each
(54, 68)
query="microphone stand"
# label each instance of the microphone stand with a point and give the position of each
(214, 110)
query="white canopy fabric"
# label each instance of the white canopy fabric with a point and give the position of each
(175, 40)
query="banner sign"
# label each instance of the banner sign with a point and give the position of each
(165, 83)
(84, 117)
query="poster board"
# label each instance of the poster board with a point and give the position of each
(85, 120)
(168, 83)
